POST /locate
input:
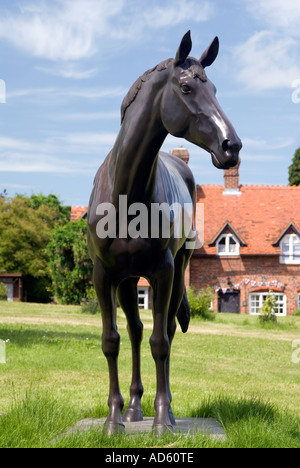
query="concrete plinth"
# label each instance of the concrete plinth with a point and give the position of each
(207, 426)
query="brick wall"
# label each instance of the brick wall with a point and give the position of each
(231, 177)
(218, 272)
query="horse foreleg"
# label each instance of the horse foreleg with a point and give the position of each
(110, 346)
(162, 282)
(128, 298)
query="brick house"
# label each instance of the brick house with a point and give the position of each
(14, 285)
(251, 245)
(78, 212)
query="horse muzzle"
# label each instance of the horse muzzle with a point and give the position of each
(227, 155)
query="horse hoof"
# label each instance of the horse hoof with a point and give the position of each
(133, 415)
(161, 429)
(111, 428)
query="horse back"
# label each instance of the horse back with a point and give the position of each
(175, 182)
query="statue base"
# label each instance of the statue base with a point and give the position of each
(186, 426)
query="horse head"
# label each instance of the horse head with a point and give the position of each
(190, 108)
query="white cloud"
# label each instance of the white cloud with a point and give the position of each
(19, 93)
(16, 186)
(58, 155)
(69, 71)
(71, 30)
(92, 116)
(276, 143)
(277, 14)
(270, 59)
(176, 12)
(267, 61)
(41, 163)
(86, 143)
(262, 157)
(59, 30)
(80, 92)
(95, 93)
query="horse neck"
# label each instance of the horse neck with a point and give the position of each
(134, 157)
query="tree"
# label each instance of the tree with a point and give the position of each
(62, 213)
(69, 263)
(25, 230)
(3, 292)
(267, 312)
(294, 169)
(200, 303)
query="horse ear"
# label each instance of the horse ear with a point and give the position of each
(211, 53)
(184, 49)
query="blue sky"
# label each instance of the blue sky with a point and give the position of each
(67, 65)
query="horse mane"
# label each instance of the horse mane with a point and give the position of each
(136, 87)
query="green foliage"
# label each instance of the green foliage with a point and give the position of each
(267, 312)
(90, 304)
(61, 213)
(297, 313)
(3, 292)
(294, 169)
(70, 266)
(200, 303)
(3, 194)
(24, 233)
(26, 225)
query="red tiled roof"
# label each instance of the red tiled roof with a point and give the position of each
(77, 212)
(258, 215)
(143, 282)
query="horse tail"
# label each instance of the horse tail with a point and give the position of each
(184, 313)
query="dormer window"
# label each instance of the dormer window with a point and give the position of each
(228, 245)
(290, 249)
(227, 241)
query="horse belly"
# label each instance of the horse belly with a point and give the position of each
(131, 257)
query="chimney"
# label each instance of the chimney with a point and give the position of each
(231, 180)
(181, 153)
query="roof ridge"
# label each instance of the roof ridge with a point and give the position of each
(265, 187)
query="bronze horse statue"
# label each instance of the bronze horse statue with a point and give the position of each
(174, 97)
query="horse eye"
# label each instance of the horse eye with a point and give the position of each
(185, 89)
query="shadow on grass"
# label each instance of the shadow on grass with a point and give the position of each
(229, 410)
(24, 337)
(252, 422)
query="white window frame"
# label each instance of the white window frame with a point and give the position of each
(143, 293)
(10, 291)
(258, 299)
(289, 259)
(227, 252)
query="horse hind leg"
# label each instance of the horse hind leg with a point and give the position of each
(179, 307)
(128, 299)
(162, 282)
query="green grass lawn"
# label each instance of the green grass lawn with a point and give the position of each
(231, 369)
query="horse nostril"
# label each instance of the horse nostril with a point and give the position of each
(226, 145)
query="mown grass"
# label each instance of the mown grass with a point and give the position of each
(232, 370)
